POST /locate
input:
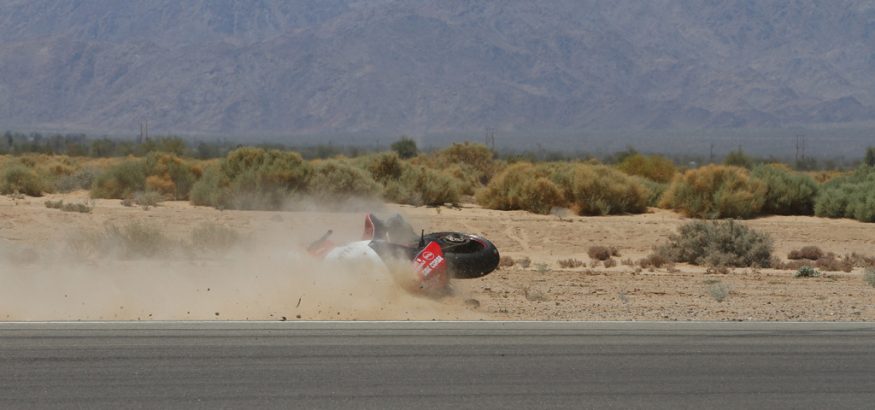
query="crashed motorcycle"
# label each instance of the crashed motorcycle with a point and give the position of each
(434, 257)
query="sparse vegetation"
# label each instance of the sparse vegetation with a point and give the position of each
(54, 204)
(131, 241)
(718, 290)
(806, 272)
(602, 253)
(524, 262)
(213, 237)
(80, 207)
(716, 243)
(654, 260)
(812, 253)
(570, 263)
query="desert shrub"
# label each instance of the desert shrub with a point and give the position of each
(738, 158)
(610, 262)
(806, 272)
(860, 261)
(654, 190)
(121, 180)
(82, 178)
(169, 175)
(602, 190)
(716, 243)
(385, 167)
(601, 253)
(787, 192)
(653, 167)
(135, 240)
(419, 185)
(475, 160)
(719, 291)
(851, 196)
(806, 252)
(654, 260)
(830, 262)
(55, 204)
(522, 186)
(524, 262)
(715, 191)
(210, 189)
(145, 200)
(80, 207)
(268, 169)
(472, 165)
(338, 180)
(588, 189)
(213, 237)
(570, 263)
(21, 179)
(253, 178)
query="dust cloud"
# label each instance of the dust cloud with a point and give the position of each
(115, 272)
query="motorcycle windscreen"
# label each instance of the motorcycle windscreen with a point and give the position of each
(431, 267)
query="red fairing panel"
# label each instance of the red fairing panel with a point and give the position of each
(431, 267)
(369, 229)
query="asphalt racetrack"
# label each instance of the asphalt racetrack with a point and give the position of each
(452, 365)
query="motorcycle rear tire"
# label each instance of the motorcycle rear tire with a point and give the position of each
(468, 256)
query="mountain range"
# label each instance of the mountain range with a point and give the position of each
(390, 67)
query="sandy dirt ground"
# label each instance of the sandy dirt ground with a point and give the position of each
(45, 275)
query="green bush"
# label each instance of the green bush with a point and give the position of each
(787, 192)
(715, 191)
(211, 189)
(806, 272)
(21, 179)
(851, 196)
(716, 243)
(405, 147)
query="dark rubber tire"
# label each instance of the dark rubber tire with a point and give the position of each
(468, 256)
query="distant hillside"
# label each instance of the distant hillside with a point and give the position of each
(418, 67)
